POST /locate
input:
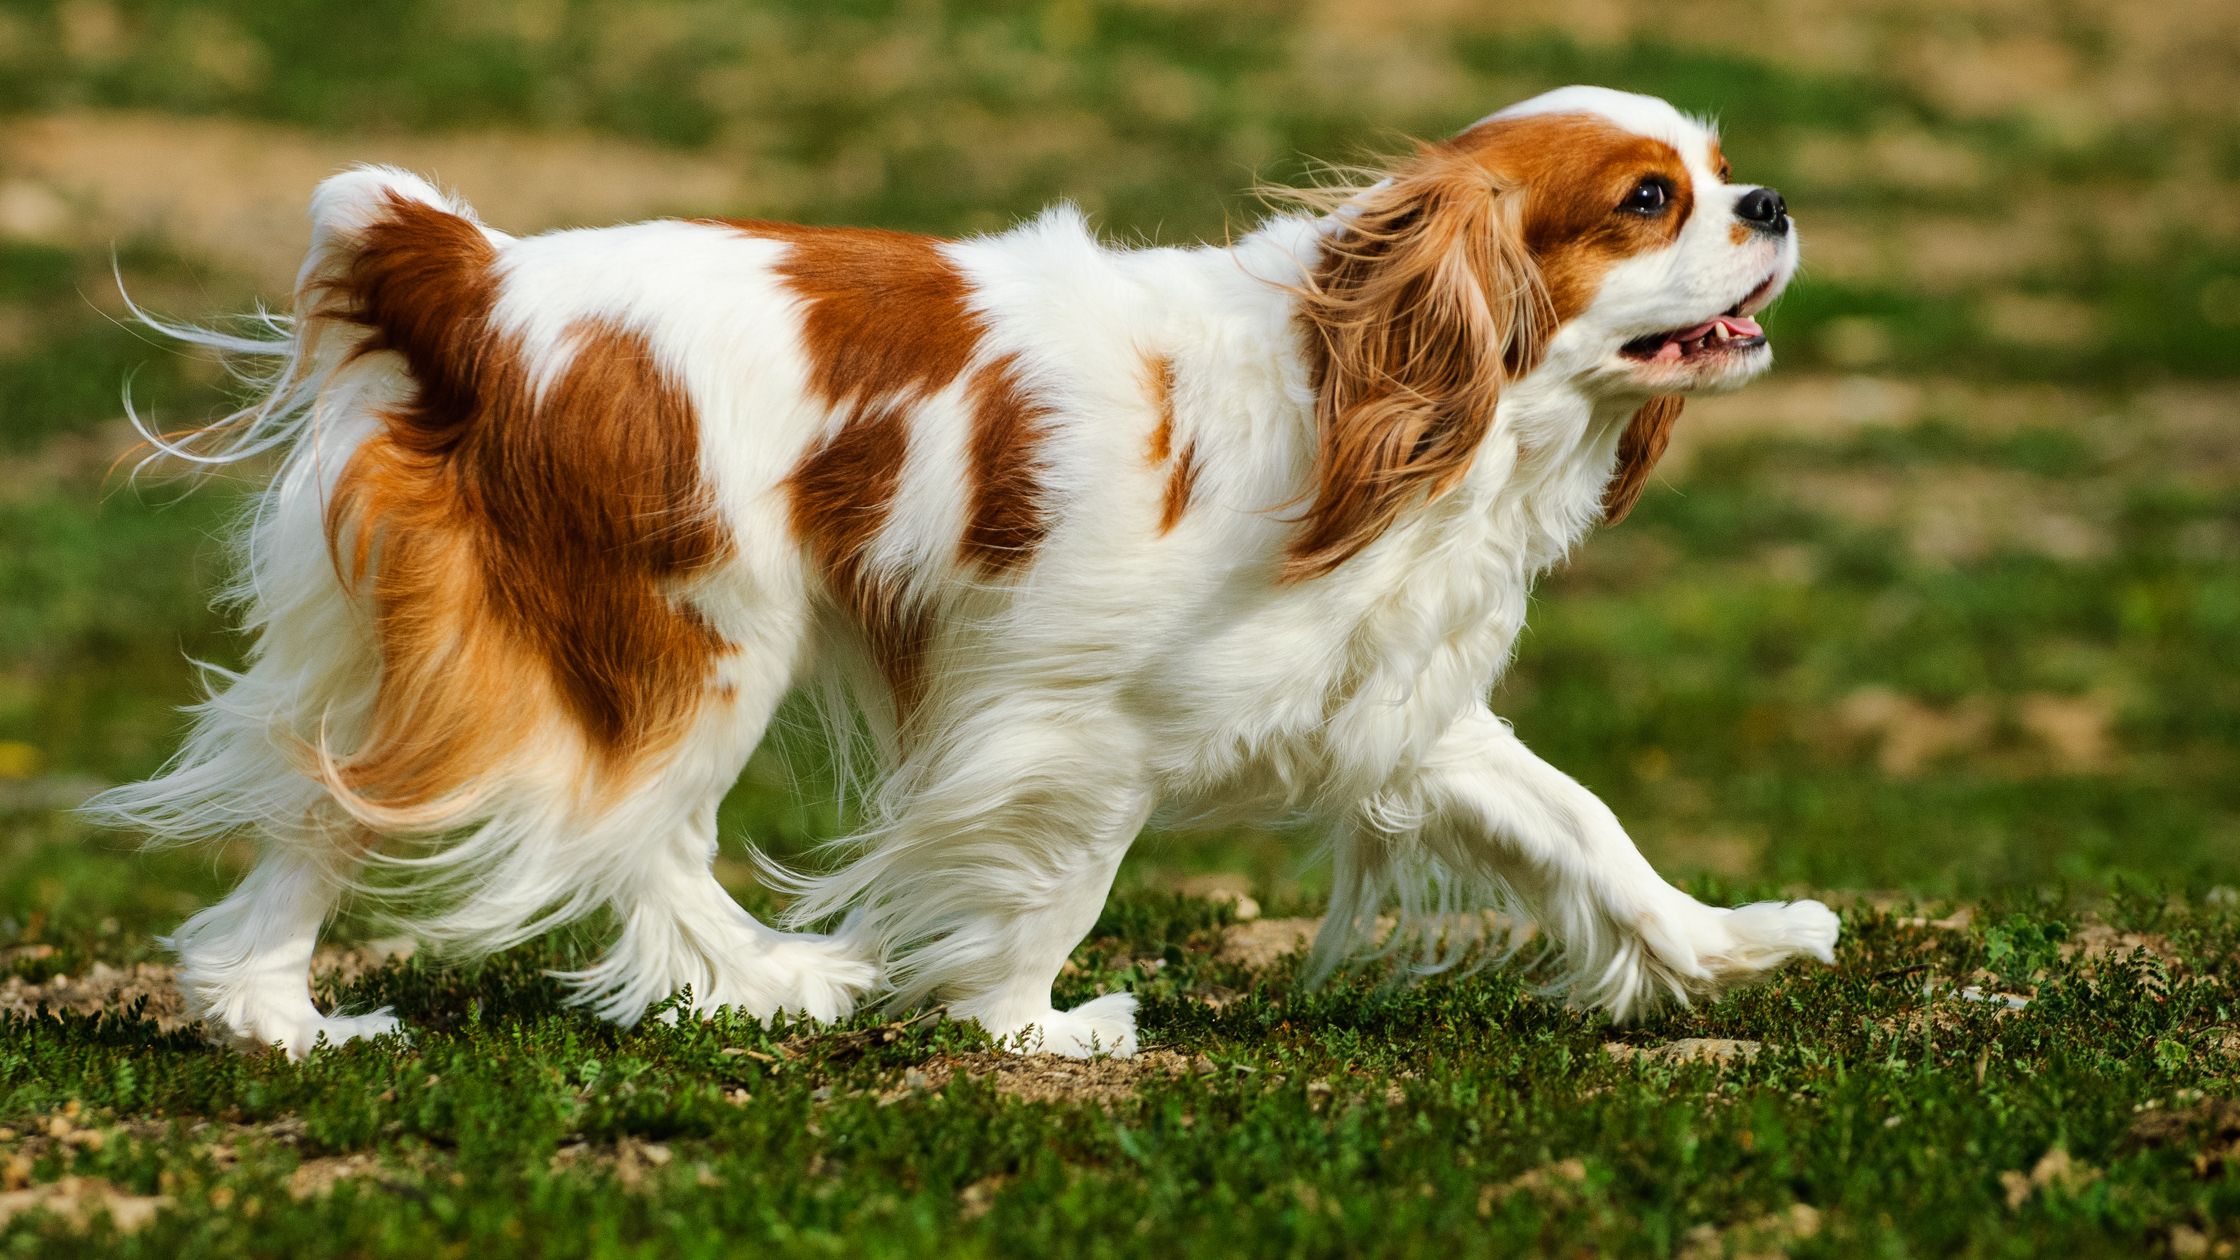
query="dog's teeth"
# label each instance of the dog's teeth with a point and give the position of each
(1720, 333)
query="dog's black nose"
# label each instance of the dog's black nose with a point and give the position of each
(1763, 209)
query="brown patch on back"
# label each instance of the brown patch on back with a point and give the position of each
(522, 551)
(883, 312)
(1639, 448)
(886, 324)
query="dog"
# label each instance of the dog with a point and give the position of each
(1067, 534)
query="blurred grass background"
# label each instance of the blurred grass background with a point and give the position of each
(1949, 604)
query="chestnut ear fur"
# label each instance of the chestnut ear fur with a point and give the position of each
(1424, 305)
(1638, 451)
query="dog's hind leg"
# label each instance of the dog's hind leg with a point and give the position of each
(678, 927)
(245, 963)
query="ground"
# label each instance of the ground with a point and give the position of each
(1938, 622)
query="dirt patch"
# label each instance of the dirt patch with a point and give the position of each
(2054, 1172)
(1959, 920)
(104, 988)
(1264, 943)
(1049, 1078)
(95, 455)
(2035, 732)
(1716, 1050)
(2096, 942)
(1961, 515)
(2196, 424)
(1261, 944)
(2076, 731)
(1552, 1179)
(2209, 1128)
(1909, 735)
(1941, 253)
(82, 1200)
(1770, 1235)
(316, 1178)
(101, 989)
(234, 192)
(633, 1161)
(1235, 891)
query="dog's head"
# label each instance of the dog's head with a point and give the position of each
(1586, 233)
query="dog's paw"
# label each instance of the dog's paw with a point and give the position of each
(1765, 934)
(820, 977)
(1104, 1026)
(1690, 952)
(298, 1036)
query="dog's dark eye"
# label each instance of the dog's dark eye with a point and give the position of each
(1648, 197)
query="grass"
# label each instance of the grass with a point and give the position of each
(1347, 1121)
(1941, 616)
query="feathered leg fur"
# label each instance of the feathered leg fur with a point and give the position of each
(1486, 814)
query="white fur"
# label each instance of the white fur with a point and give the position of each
(1122, 671)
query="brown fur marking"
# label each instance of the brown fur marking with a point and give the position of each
(1639, 448)
(843, 492)
(1158, 374)
(1181, 481)
(885, 323)
(1576, 169)
(523, 551)
(1008, 517)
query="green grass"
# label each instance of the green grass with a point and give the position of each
(1944, 612)
(1345, 1121)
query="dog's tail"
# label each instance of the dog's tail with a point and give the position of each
(317, 394)
(291, 360)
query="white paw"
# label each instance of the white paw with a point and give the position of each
(822, 978)
(1765, 934)
(1693, 951)
(298, 1036)
(799, 975)
(1099, 1027)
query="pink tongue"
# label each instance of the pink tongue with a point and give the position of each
(1736, 326)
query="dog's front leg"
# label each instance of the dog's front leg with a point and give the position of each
(1626, 939)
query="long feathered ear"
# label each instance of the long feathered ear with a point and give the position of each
(1638, 450)
(1424, 304)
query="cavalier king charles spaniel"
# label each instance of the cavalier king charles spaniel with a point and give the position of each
(1071, 536)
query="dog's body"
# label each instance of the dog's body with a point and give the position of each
(1082, 532)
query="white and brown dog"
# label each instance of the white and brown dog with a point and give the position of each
(1082, 533)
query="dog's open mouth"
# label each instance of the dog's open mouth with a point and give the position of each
(1726, 334)
(1730, 332)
